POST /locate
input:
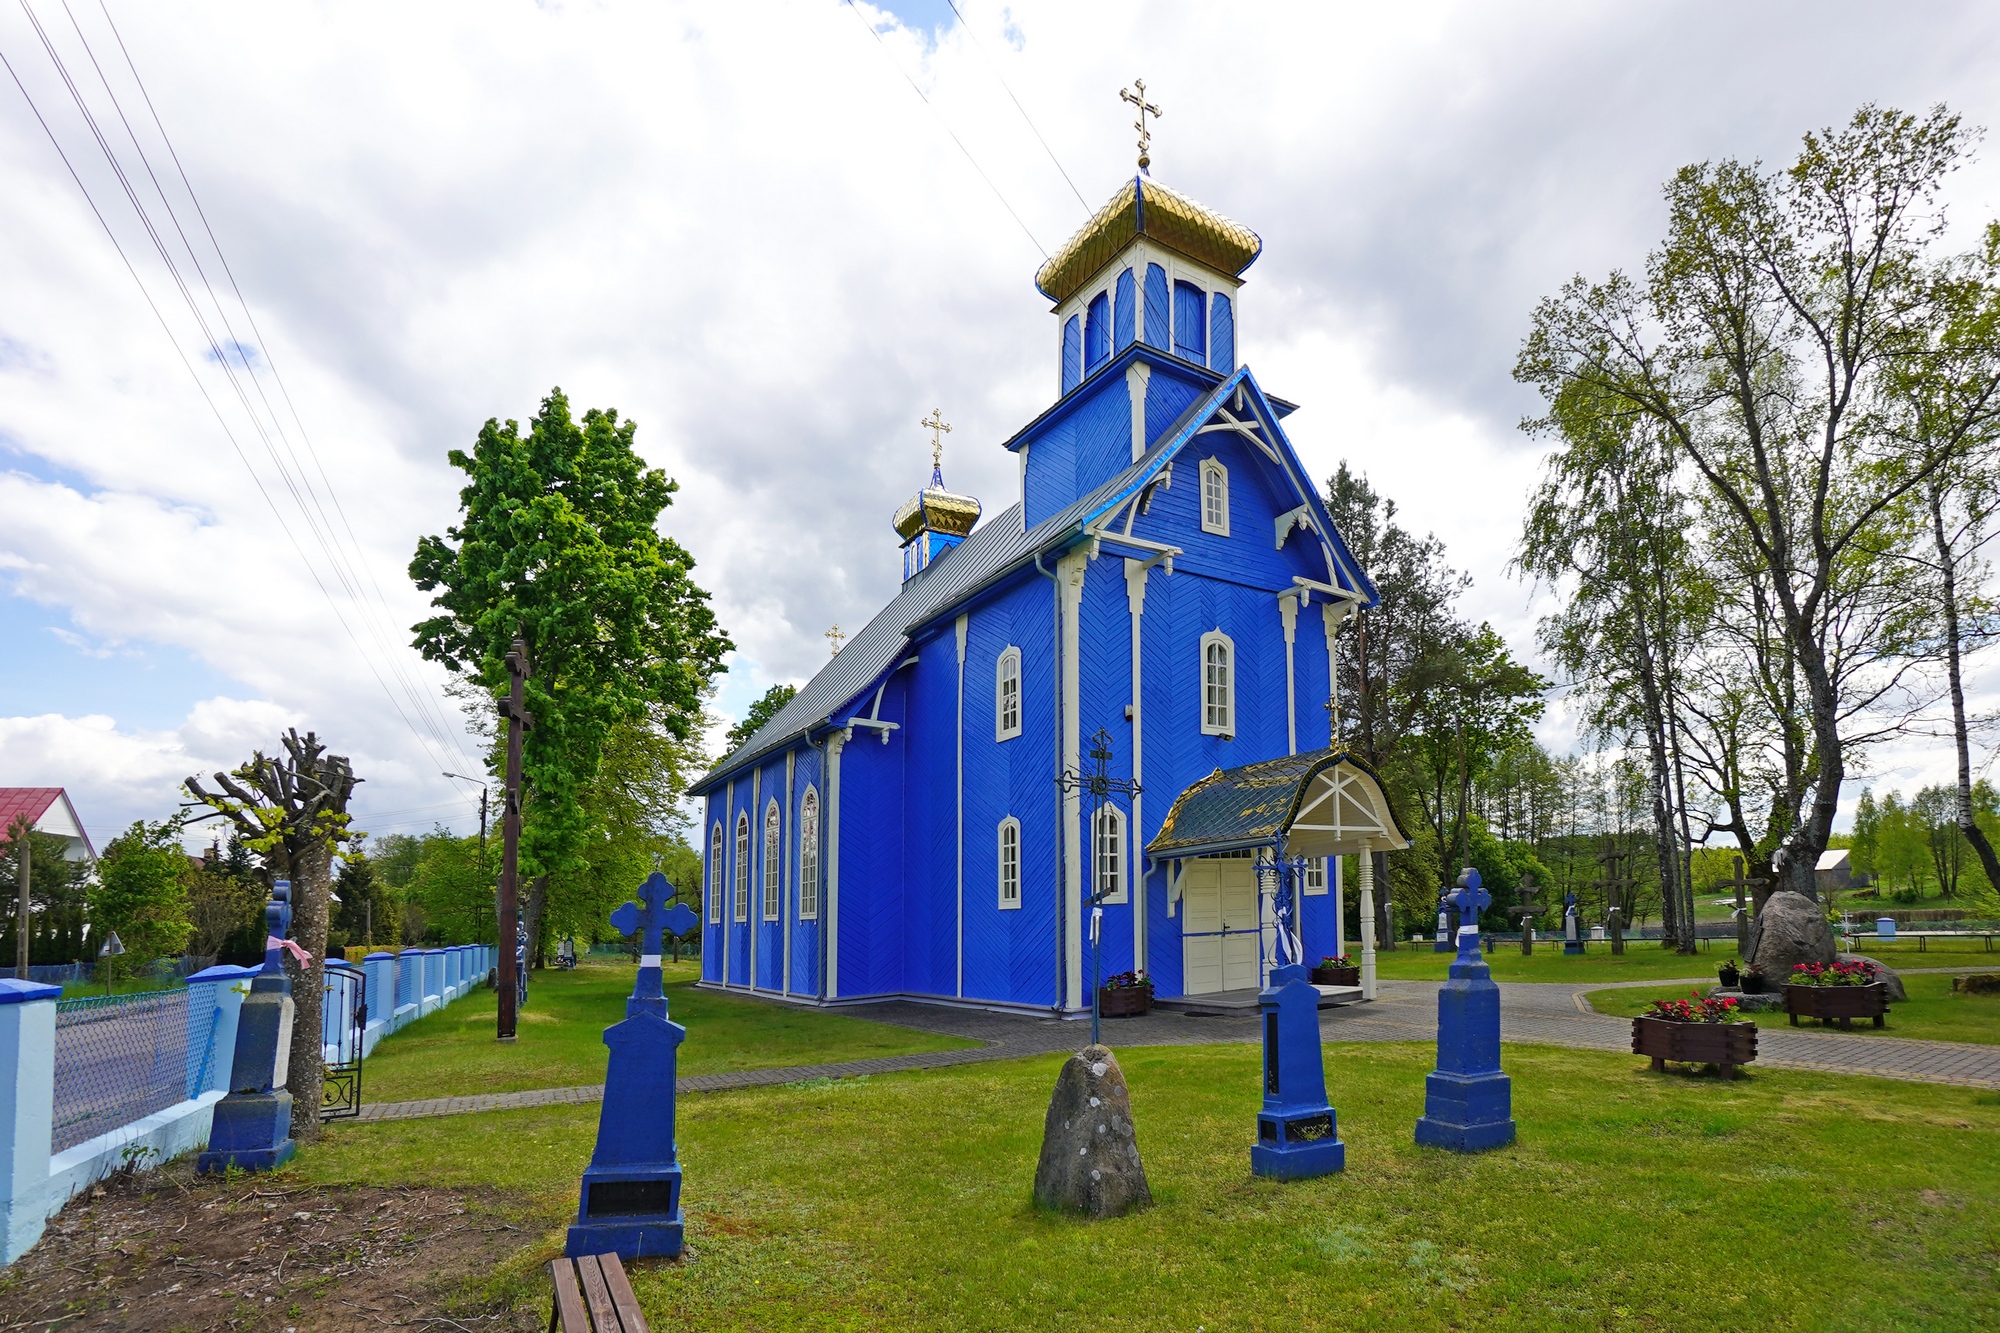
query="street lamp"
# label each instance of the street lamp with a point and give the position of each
(482, 811)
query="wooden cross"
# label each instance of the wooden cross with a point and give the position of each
(834, 636)
(939, 429)
(1739, 883)
(1614, 906)
(1145, 109)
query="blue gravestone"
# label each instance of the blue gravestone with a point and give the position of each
(252, 1129)
(631, 1200)
(1572, 940)
(1468, 1102)
(1297, 1135)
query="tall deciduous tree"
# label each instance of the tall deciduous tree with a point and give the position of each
(557, 541)
(1763, 348)
(291, 811)
(141, 893)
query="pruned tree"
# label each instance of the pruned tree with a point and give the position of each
(291, 811)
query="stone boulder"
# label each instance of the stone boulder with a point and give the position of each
(1090, 1151)
(1891, 983)
(1749, 1004)
(1791, 929)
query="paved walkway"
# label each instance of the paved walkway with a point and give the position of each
(1534, 1013)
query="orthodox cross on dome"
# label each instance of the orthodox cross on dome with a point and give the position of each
(1145, 109)
(939, 429)
(834, 637)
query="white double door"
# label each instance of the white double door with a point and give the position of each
(1219, 926)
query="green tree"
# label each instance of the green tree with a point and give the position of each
(56, 895)
(142, 894)
(1867, 834)
(557, 542)
(1762, 349)
(759, 713)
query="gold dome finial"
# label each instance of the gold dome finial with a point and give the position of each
(1145, 109)
(939, 429)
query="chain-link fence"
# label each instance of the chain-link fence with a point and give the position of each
(119, 1058)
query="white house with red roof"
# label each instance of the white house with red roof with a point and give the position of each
(51, 812)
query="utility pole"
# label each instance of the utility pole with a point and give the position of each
(518, 721)
(24, 838)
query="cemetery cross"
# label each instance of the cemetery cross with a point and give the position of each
(1739, 883)
(1524, 914)
(1468, 1101)
(1614, 883)
(1106, 877)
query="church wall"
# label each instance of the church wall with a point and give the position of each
(929, 921)
(873, 824)
(1104, 687)
(768, 939)
(804, 976)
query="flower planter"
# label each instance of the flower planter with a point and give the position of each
(1724, 1044)
(1336, 976)
(1730, 978)
(1124, 1001)
(1753, 983)
(1845, 1003)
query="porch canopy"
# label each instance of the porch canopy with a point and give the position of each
(1321, 803)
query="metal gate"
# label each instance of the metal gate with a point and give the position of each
(343, 1022)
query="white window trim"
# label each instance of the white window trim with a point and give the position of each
(718, 874)
(1208, 728)
(1211, 468)
(774, 861)
(740, 908)
(809, 814)
(1115, 817)
(1001, 731)
(1315, 865)
(1000, 863)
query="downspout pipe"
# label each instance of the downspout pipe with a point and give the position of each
(1055, 602)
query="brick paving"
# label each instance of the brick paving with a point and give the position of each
(1534, 1013)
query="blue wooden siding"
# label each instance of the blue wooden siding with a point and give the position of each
(1159, 319)
(1190, 322)
(1122, 311)
(1222, 335)
(1072, 354)
(1096, 333)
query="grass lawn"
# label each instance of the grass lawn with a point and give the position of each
(561, 1037)
(1641, 961)
(1632, 1199)
(1931, 1012)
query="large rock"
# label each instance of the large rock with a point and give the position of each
(1892, 983)
(1791, 929)
(1090, 1151)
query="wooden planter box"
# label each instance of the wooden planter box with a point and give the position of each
(1336, 976)
(1724, 1044)
(1845, 1003)
(1124, 1001)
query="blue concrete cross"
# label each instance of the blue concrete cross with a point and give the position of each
(1471, 899)
(650, 919)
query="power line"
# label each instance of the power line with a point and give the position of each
(862, 19)
(334, 558)
(966, 28)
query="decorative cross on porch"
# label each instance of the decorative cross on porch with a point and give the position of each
(1096, 782)
(648, 918)
(1470, 900)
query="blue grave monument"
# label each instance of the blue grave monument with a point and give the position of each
(631, 1201)
(252, 1129)
(1297, 1131)
(1445, 941)
(1468, 1102)
(1572, 938)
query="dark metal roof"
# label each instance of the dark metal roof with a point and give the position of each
(1251, 806)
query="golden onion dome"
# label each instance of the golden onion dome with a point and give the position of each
(1144, 207)
(934, 509)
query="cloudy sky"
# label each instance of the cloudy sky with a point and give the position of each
(741, 224)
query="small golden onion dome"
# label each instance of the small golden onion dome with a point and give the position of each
(1144, 207)
(934, 509)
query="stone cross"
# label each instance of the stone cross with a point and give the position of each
(1470, 900)
(1615, 879)
(648, 918)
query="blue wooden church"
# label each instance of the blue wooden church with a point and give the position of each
(1168, 574)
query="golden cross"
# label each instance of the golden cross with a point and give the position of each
(1145, 109)
(939, 429)
(834, 636)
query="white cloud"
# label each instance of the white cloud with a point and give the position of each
(738, 224)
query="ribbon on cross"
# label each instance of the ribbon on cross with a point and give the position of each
(292, 947)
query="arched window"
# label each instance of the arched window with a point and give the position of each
(774, 862)
(809, 856)
(1214, 498)
(1007, 695)
(717, 874)
(1010, 863)
(1159, 315)
(1097, 333)
(1190, 322)
(1218, 684)
(1222, 335)
(1122, 311)
(1072, 353)
(742, 907)
(1315, 876)
(1110, 842)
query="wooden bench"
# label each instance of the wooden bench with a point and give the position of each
(592, 1296)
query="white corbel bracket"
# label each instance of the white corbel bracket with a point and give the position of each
(1296, 518)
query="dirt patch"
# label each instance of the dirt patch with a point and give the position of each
(167, 1250)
